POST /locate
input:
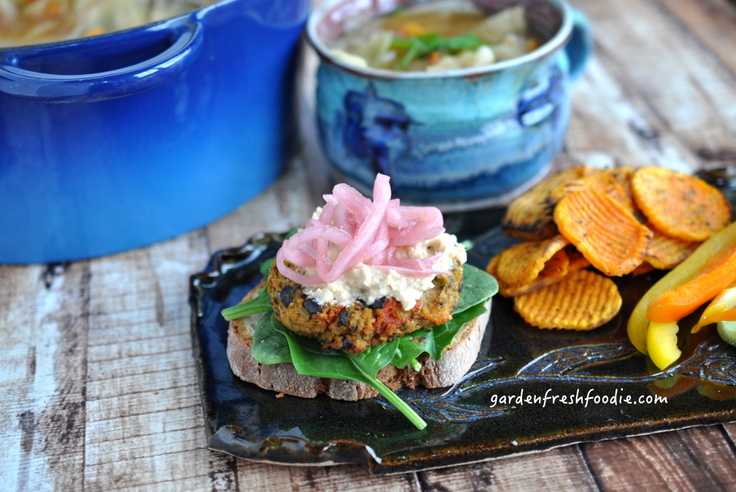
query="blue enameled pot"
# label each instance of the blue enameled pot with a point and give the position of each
(459, 139)
(118, 141)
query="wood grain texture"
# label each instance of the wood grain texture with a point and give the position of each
(557, 469)
(98, 384)
(656, 93)
(699, 458)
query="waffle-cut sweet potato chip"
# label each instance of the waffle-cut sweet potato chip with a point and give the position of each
(678, 204)
(558, 267)
(623, 175)
(606, 182)
(492, 268)
(561, 190)
(642, 269)
(558, 272)
(607, 235)
(529, 215)
(503, 288)
(521, 263)
(581, 301)
(577, 260)
(555, 269)
(666, 252)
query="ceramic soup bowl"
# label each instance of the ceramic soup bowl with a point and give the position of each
(459, 139)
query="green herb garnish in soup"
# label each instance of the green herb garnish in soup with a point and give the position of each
(437, 36)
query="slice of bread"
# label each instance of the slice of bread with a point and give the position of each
(455, 362)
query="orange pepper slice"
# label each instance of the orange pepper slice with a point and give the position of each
(674, 304)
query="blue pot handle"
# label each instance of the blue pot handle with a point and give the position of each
(580, 45)
(104, 67)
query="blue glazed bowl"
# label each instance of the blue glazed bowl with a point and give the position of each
(460, 139)
(118, 141)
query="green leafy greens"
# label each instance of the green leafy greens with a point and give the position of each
(273, 343)
(426, 44)
(261, 303)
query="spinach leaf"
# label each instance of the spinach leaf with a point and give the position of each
(434, 342)
(261, 303)
(266, 266)
(478, 287)
(269, 343)
(310, 360)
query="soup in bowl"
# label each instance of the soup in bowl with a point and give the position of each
(41, 21)
(456, 117)
(438, 36)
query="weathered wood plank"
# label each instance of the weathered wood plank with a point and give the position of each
(692, 459)
(144, 419)
(609, 128)
(564, 469)
(710, 22)
(46, 317)
(642, 102)
(255, 476)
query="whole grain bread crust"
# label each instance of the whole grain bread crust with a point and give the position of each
(455, 362)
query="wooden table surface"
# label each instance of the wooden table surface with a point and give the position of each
(98, 386)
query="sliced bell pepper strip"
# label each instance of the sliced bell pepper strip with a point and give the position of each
(715, 276)
(728, 315)
(721, 308)
(662, 343)
(638, 323)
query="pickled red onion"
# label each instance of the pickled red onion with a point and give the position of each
(363, 231)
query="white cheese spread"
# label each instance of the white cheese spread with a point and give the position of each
(369, 283)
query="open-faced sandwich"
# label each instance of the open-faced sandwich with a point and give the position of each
(369, 297)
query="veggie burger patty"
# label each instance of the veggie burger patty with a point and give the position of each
(358, 326)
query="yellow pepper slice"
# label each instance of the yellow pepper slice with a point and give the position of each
(662, 343)
(638, 324)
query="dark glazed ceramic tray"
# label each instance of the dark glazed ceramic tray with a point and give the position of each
(530, 389)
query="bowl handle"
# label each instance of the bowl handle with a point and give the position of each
(580, 45)
(103, 67)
